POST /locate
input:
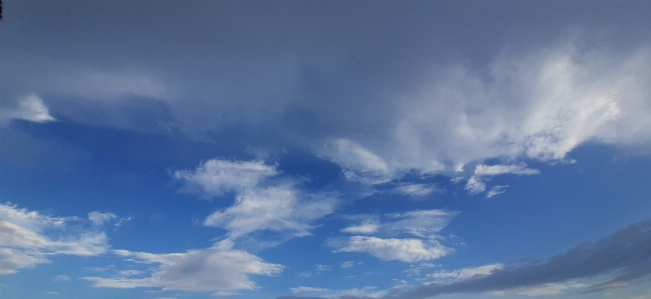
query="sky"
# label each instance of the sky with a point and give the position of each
(325, 149)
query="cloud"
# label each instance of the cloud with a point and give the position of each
(544, 290)
(307, 289)
(465, 273)
(364, 229)
(417, 190)
(405, 250)
(24, 242)
(99, 218)
(423, 224)
(493, 170)
(260, 202)
(476, 184)
(216, 177)
(322, 268)
(623, 257)
(496, 190)
(278, 208)
(219, 269)
(30, 108)
(348, 264)
(359, 163)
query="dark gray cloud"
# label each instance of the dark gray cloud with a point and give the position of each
(423, 85)
(624, 256)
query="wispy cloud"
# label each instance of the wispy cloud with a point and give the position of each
(219, 269)
(260, 203)
(29, 108)
(24, 242)
(482, 173)
(422, 224)
(216, 177)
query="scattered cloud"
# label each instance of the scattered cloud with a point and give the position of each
(348, 264)
(495, 190)
(477, 182)
(359, 164)
(364, 229)
(417, 190)
(99, 218)
(465, 273)
(307, 289)
(493, 170)
(219, 269)
(260, 203)
(30, 108)
(405, 250)
(423, 224)
(278, 208)
(322, 267)
(24, 242)
(216, 177)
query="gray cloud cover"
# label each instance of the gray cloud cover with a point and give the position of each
(432, 93)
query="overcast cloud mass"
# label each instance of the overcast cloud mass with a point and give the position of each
(325, 149)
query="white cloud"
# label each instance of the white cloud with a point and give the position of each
(367, 292)
(476, 184)
(364, 228)
(24, 243)
(348, 264)
(29, 108)
(405, 250)
(359, 163)
(423, 224)
(99, 218)
(496, 190)
(417, 190)
(260, 203)
(219, 269)
(419, 223)
(542, 290)
(321, 267)
(279, 208)
(307, 289)
(493, 170)
(465, 273)
(216, 177)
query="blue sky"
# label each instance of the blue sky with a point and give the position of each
(325, 149)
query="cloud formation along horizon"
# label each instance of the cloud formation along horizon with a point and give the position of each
(623, 257)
